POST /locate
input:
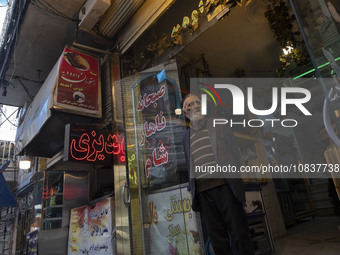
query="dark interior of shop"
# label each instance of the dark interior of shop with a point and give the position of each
(239, 43)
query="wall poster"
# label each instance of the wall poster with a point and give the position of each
(91, 229)
(173, 226)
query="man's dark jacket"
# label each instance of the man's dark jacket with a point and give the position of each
(226, 152)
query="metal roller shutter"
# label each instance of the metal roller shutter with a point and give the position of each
(139, 22)
(118, 14)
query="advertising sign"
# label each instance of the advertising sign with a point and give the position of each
(32, 243)
(91, 229)
(91, 144)
(173, 227)
(155, 99)
(78, 83)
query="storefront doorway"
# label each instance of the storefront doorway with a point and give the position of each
(155, 189)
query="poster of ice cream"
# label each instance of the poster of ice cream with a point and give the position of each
(173, 227)
(91, 230)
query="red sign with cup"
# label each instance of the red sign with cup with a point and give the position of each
(77, 85)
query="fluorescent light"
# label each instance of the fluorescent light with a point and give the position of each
(24, 163)
(288, 50)
(37, 207)
(312, 70)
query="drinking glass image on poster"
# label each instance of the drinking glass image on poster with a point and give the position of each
(91, 229)
(173, 226)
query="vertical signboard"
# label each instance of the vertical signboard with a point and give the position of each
(91, 229)
(78, 84)
(32, 243)
(155, 101)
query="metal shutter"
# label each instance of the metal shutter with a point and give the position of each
(139, 22)
(118, 14)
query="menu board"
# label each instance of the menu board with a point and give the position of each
(155, 101)
(173, 226)
(78, 83)
(91, 229)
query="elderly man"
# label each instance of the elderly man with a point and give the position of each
(219, 200)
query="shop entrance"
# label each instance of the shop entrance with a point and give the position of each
(155, 184)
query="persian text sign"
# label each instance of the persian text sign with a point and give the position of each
(89, 143)
(77, 85)
(91, 229)
(173, 227)
(155, 139)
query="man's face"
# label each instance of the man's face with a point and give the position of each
(192, 108)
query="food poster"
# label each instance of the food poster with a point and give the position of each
(77, 86)
(91, 230)
(173, 227)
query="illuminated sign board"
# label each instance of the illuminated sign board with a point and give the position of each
(92, 144)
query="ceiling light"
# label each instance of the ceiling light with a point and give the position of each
(287, 50)
(25, 163)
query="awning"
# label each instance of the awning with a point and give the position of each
(6, 197)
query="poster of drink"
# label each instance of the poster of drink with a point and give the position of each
(173, 226)
(78, 84)
(91, 229)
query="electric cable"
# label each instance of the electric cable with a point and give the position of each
(20, 9)
(7, 118)
(52, 10)
(26, 90)
(26, 79)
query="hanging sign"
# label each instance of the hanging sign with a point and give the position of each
(78, 84)
(91, 144)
